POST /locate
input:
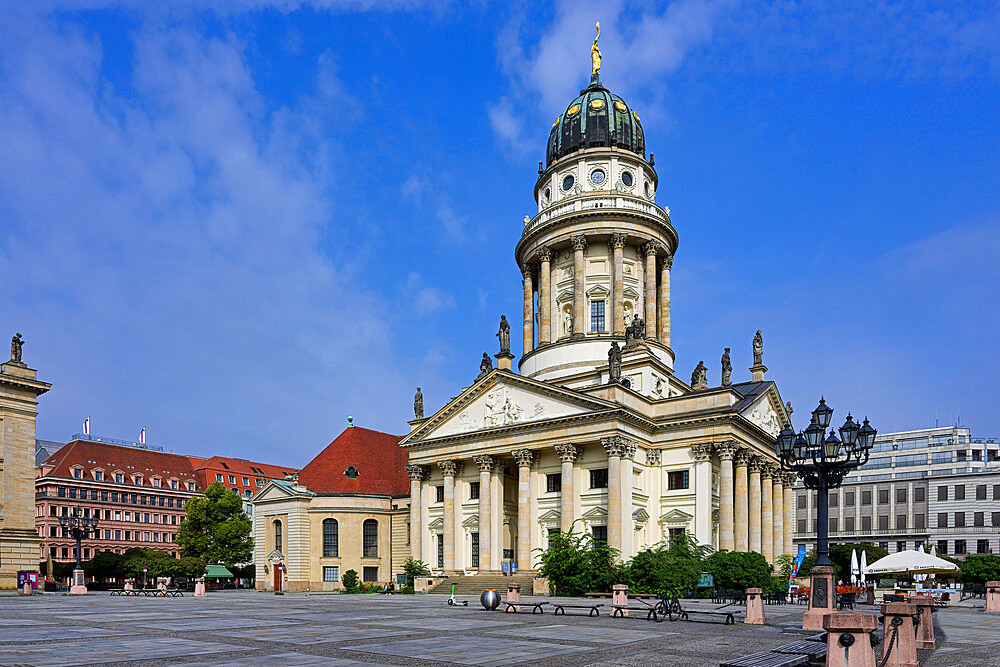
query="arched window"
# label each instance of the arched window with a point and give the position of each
(331, 538)
(277, 535)
(370, 538)
(351, 472)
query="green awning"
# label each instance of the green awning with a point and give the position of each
(218, 571)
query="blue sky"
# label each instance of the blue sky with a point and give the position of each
(237, 223)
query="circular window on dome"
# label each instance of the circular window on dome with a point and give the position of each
(620, 106)
(627, 178)
(568, 182)
(597, 176)
(572, 110)
(597, 104)
(636, 117)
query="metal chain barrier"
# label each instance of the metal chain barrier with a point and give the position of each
(896, 622)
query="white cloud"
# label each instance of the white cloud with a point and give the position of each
(425, 299)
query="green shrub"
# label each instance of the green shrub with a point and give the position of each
(674, 569)
(576, 564)
(738, 570)
(414, 568)
(407, 590)
(980, 568)
(350, 580)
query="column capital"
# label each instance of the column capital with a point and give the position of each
(701, 452)
(778, 479)
(667, 261)
(485, 462)
(653, 457)
(726, 450)
(527, 271)
(524, 457)
(567, 453)
(790, 478)
(544, 254)
(650, 248)
(450, 468)
(579, 242)
(767, 470)
(743, 456)
(415, 472)
(618, 240)
(619, 446)
(756, 464)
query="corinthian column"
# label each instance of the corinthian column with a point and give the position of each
(666, 264)
(416, 474)
(449, 469)
(617, 284)
(650, 250)
(727, 536)
(567, 454)
(544, 296)
(613, 446)
(789, 509)
(766, 513)
(702, 493)
(778, 499)
(741, 505)
(579, 283)
(486, 465)
(524, 459)
(755, 466)
(529, 309)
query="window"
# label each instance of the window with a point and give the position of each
(849, 524)
(78, 473)
(942, 493)
(475, 549)
(942, 520)
(676, 534)
(849, 498)
(277, 535)
(246, 481)
(439, 494)
(72, 492)
(977, 519)
(919, 494)
(257, 483)
(600, 533)
(959, 519)
(369, 573)
(567, 183)
(473, 492)
(960, 492)
(173, 484)
(553, 483)
(866, 524)
(834, 498)
(959, 546)
(802, 500)
(370, 538)
(247, 492)
(597, 316)
(977, 455)
(833, 524)
(218, 477)
(677, 479)
(351, 472)
(104, 496)
(982, 546)
(942, 546)
(981, 492)
(961, 455)
(883, 522)
(996, 492)
(883, 545)
(883, 496)
(918, 521)
(900, 522)
(232, 479)
(901, 545)
(331, 543)
(996, 519)
(802, 526)
(599, 478)
(440, 550)
(98, 475)
(331, 573)
(866, 497)
(901, 495)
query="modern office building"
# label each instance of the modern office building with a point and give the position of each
(935, 487)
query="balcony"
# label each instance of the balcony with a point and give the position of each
(604, 202)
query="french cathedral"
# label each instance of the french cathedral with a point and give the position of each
(593, 431)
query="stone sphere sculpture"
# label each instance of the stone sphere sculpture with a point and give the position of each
(490, 599)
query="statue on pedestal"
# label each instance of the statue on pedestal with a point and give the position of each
(418, 405)
(16, 342)
(504, 335)
(699, 378)
(635, 332)
(758, 349)
(614, 363)
(727, 368)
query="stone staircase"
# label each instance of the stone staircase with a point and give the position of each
(477, 583)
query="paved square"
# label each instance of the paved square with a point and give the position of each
(473, 650)
(598, 635)
(311, 634)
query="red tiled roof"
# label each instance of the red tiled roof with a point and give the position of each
(244, 467)
(131, 460)
(377, 456)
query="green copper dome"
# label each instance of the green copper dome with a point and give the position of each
(597, 117)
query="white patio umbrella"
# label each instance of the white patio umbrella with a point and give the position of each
(864, 564)
(911, 562)
(855, 570)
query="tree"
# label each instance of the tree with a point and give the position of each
(576, 564)
(783, 565)
(105, 565)
(840, 554)
(350, 580)
(673, 569)
(980, 568)
(216, 529)
(414, 568)
(739, 570)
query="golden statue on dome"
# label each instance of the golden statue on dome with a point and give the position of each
(595, 53)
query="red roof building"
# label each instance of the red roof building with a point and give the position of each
(359, 461)
(238, 475)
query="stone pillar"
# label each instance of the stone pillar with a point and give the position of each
(529, 309)
(79, 586)
(766, 513)
(702, 455)
(449, 469)
(416, 474)
(925, 630)
(755, 606)
(628, 527)
(754, 511)
(485, 464)
(822, 596)
(650, 249)
(666, 264)
(848, 640)
(789, 509)
(555, 315)
(898, 622)
(778, 501)
(514, 594)
(567, 454)
(727, 535)
(619, 597)
(993, 597)
(613, 448)
(741, 509)
(544, 296)
(579, 284)
(199, 587)
(497, 513)
(618, 242)
(524, 459)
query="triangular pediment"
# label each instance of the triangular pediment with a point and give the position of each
(504, 400)
(278, 490)
(471, 522)
(595, 513)
(640, 515)
(676, 516)
(436, 524)
(766, 412)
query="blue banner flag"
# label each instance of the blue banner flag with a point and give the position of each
(799, 557)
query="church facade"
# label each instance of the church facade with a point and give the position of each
(595, 432)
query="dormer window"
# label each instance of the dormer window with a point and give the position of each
(173, 484)
(98, 475)
(137, 480)
(156, 482)
(77, 473)
(351, 472)
(119, 478)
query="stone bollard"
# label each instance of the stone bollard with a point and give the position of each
(619, 597)
(848, 639)
(128, 586)
(822, 597)
(79, 586)
(199, 588)
(925, 630)
(899, 640)
(755, 606)
(514, 594)
(993, 597)
(26, 589)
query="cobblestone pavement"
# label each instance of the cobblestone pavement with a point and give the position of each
(249, 628)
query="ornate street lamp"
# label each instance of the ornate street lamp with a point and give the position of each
(822, 463)
(79, 527)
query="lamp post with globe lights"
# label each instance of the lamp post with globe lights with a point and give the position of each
(79, 527)
(822, 463)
